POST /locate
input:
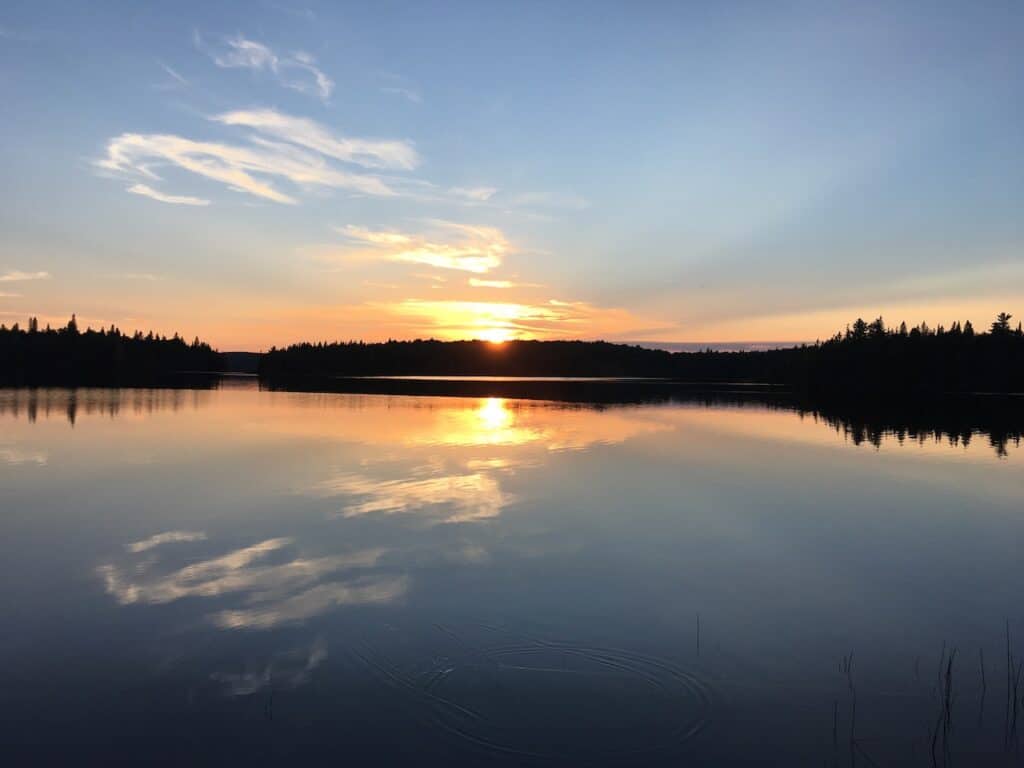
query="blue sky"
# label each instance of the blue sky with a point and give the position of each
(260, 173)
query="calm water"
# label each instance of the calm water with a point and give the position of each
(235, 575)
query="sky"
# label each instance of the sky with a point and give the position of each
(262, 173)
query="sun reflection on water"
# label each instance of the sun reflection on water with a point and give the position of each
(494, 414)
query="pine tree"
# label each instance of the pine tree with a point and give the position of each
(1001, 325)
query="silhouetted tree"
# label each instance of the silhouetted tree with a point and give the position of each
(1001, 325)
(68, 356)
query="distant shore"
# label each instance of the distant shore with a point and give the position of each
(868, 360)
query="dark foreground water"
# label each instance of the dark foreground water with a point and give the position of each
(235, 576)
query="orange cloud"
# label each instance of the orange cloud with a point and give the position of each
(476, 282)
(502, 321)
(451, 246)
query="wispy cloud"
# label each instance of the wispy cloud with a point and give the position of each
(478, 283)
(369, 153)
(244, 168)
(247, 54)
(478, 194)
(297, 71)
(16, 276)
(168, 537)
(450, 246)
(231, 165)
(176, 79)
(398, 85)
(146, 191)
(406, 93)
(5, 295)
(323, 84)
(432, 278)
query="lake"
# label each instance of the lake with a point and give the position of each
(229, 574)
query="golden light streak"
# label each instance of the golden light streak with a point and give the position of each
(459, 247)
(491, 321)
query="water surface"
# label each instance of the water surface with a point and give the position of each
(208, 575)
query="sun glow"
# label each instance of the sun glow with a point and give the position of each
(491, 321)
(493, 414)
(491, 422)
(496, 336)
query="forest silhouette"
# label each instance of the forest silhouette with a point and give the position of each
(867, 359)
(67, 355)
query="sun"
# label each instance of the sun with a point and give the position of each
(496, 336)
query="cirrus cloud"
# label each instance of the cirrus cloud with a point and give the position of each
(167, 537)
(475, 194)
(369, 153)
(18, 276)
(451, 246)
(298, 71)
(300, 152)
(476, 282)
(146, 191)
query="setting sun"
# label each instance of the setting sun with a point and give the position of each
(496, 336)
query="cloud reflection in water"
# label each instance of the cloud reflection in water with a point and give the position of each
(471, 450)
(289, 670)
(445, 462)
(452, 498)
(272, 593)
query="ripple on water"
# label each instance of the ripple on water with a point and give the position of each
(548, 699)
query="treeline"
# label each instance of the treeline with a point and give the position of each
(466, 358)
(34, 355)
(865, 359)
(868, 358)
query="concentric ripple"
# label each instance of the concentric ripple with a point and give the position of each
(549, 700)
